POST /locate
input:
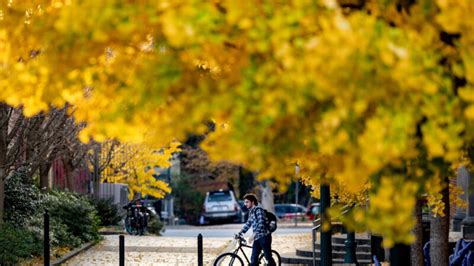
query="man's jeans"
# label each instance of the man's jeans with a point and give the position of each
(265, 244)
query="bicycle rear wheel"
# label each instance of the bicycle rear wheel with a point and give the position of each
(228, 259)
(276, 257)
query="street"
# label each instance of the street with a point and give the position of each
(229, 230)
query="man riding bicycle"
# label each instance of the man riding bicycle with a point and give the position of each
(262, 238)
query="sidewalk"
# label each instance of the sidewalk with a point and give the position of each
(152, 250)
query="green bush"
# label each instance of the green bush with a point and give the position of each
(189, 200)
(107, 211)
(17, 243)
(73, 219)
(155, 226)
(22, 199)
(59, 234)
(76, 213)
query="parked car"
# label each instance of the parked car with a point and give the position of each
(289, 211)
(313, 211)
(221, 205)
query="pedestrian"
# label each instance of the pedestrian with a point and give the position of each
(262, 238)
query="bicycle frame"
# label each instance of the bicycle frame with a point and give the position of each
(233, 255)
(242, 243)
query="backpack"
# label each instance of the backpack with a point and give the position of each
(271, 222)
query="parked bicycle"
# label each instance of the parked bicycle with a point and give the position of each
(231, 258)
(137, 217)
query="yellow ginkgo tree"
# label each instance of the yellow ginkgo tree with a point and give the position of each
(134, 165)
(374, 95)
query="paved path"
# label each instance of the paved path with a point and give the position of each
(228, 230)
(153, 250)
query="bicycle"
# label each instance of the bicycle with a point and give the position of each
(231, 258)
(136, 219)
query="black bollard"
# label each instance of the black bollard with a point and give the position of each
(326, 237)
(200, 255)
(46, 238)
(351, 244)
(121, 250)
(400, 255)
(376, 248)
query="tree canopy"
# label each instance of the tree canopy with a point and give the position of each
(375, 95)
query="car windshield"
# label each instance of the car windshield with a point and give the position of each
(219, 196)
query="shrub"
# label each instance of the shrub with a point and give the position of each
(17, 243)
(76, 213)
(107, 211)
(155, 226)
(189, 200)
(22, 199)
(59, 233)
(73, 219)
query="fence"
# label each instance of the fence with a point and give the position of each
(117, 192)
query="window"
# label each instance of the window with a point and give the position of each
(219, 196)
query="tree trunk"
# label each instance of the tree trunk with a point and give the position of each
(417, 246)
(2, 194)
(3, 156)
(69, 171)
(439, 233)
(44, 177)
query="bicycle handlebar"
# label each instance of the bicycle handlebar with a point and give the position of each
(241, 239)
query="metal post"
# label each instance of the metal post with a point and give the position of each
(96, 179)
(200, 253)
(351, 244)
(313, 238)
(326, 246)
(171, 200)
(376, 248)
(296, 202)
(400, 255)
(121, 250)
(297, 171)
(46, 238)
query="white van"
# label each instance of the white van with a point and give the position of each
(221, 205)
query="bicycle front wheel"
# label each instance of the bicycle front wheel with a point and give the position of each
(276, 257)
(228, 259)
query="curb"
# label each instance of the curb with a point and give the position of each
(73, 253)
(107, 233)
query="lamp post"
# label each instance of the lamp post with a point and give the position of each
(96, 179)
(326, 245)
(297, 172)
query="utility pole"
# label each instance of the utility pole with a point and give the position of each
(171, 201)
(326, 245)
(297, 172)
(96, 179)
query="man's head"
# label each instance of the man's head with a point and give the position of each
(250, 200)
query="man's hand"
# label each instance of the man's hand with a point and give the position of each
(238, 235)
